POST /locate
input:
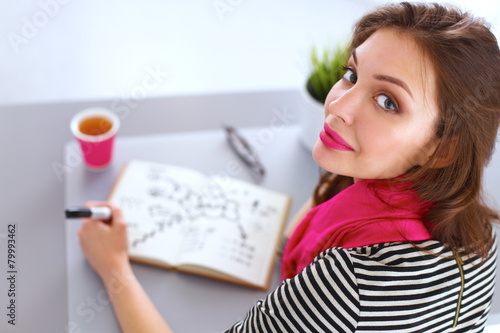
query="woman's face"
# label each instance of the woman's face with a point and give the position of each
(381, 117)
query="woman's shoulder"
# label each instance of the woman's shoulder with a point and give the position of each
(420, 254)
(385, 251)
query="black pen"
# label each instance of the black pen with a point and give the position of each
(98, 213)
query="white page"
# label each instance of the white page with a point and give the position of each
(238, 235)
(158, 202)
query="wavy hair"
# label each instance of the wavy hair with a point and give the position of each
(466, 59)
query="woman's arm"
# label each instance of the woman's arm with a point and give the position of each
(311, 301)
(306, 207)
(105, 246)
(133, 308)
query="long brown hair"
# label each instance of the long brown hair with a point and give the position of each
(466, 59)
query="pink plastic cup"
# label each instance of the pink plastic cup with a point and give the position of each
(96, 144)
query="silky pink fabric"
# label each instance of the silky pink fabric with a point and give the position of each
(366, 213)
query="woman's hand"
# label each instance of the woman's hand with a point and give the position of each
(105, 244)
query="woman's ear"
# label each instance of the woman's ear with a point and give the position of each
(444, 153)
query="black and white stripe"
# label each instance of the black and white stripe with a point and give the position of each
(392, 287)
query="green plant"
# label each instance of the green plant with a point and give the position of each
(326, 71)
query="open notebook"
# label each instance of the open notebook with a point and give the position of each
(179, 218)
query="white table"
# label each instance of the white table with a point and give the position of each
(181, 297)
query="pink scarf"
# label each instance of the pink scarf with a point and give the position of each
(366, 213)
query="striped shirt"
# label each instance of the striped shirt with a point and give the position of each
(391, 287)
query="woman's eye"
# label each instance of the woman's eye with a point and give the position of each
(350, 75)
(386, 103)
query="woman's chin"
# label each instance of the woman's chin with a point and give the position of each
(322, 155)
(318, 150)
(330, 160)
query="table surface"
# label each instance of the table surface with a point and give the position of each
(180, 297)
(34, 197)
(32, 142)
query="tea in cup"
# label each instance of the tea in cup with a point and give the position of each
(95, 129)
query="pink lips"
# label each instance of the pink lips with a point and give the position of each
(332, 140)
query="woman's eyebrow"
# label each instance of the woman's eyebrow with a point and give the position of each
(386, 78)
(395, 81)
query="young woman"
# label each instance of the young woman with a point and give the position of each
(396, 237)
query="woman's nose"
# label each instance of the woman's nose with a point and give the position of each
(344, 107)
